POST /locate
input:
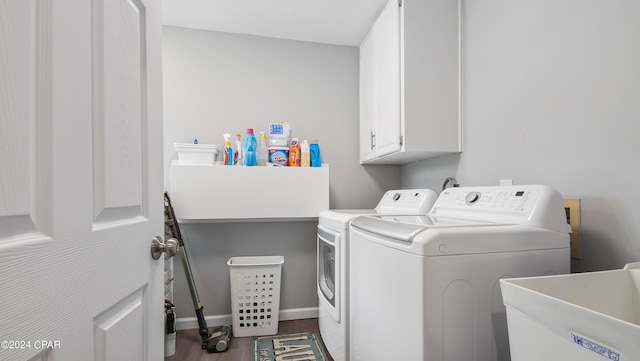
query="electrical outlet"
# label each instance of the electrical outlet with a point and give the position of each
(572, 209)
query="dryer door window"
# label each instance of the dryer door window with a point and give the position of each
(327, 274)
(329, 270)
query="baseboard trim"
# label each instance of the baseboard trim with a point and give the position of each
(298, 313)
(186, 323)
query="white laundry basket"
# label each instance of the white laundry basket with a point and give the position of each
(591, 316)
(255, 294)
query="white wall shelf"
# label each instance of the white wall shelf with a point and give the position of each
(213, 193)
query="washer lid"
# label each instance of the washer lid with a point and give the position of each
(405, 227)
(433, 221)
(444, 236)
(340, 218)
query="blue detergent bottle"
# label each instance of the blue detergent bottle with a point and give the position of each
(228, 151)
(314, 153)
(250, 147)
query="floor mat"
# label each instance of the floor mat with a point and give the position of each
(299, 346)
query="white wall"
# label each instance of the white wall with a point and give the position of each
(552, 95)
(217, 83)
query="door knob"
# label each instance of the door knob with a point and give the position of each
(170, 247)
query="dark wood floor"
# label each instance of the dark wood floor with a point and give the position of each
(188, 343)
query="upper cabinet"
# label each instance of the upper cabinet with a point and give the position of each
(409, 83)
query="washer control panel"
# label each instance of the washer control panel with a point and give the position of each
(505, 198)
(532, 205)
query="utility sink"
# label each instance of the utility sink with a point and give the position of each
(585, 316)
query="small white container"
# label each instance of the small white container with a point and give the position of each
(591, 316)
(255, 294)
(196, 154)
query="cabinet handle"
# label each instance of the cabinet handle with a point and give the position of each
(373, 140)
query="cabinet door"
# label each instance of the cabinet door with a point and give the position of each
(380, 70)
(387, 80)
(367, 98)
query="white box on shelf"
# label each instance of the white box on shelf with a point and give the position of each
(592, 316)
(196, 154)
(206, 193)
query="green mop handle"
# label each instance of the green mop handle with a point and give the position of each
(175, 230)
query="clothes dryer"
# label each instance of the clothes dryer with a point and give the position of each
(333, 266)
(427, 287)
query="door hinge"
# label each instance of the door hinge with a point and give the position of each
(400, 3)
(373, 140)
(401, 140)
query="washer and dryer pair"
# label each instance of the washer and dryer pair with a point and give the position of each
(426, 288)
(333, 261)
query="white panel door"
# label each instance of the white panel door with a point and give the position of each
(80, 180)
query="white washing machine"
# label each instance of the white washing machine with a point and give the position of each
(427, 288)
(333, 266)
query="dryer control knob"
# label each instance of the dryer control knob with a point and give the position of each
(472, 197)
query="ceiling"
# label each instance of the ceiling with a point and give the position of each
(341, 22)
